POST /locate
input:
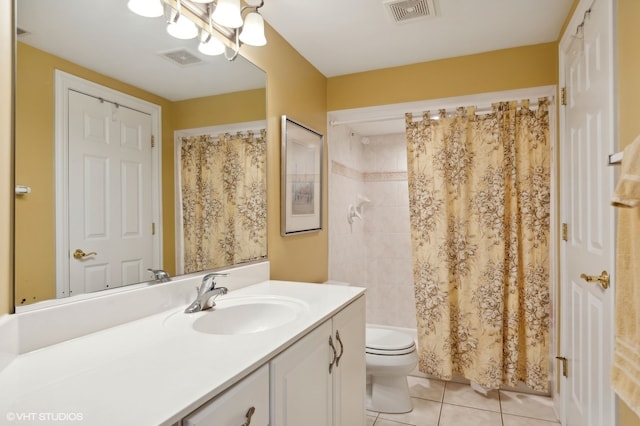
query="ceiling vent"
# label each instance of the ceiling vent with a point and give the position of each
(182, 57)
(402, 11)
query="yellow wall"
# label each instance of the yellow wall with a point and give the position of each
(207, 111)
(250, 105)
(300, 94)
(628, 70)
(34, 221)
(34, 153)
(628, 106)
(306, 95)
(6, 154)
(507, 69)
(296, 89)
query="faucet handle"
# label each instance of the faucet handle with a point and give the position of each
(215, 274)
(159, 275)
(208, 281)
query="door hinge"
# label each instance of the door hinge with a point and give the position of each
(565, 365)
(153, 141)
(565, 232)
(153, 228)
(563, 96)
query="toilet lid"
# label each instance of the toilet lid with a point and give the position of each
(382, 341)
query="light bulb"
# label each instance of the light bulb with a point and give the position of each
(227, 13)
(211, 47)
(146, 8)
(253, 30)
(182, 28)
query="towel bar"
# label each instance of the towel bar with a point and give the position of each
(616, 159)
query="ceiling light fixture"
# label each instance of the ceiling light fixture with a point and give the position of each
(180, 26)
(210, 45)
(211, 19)
(146, 8)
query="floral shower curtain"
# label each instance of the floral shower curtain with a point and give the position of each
(223, 183)
(479, 198)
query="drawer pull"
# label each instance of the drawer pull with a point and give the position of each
(248, 416)
(341, 347)
(335, 357)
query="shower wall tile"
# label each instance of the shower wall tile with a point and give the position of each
(345, 147)
(388, 153)
(390, 193)
(375, 306)
(388, 220)
(343, 192)
(374, 252)
(389, 246)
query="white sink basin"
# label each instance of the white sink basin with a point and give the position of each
(240, 315)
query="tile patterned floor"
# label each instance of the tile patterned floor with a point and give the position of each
(437, 403)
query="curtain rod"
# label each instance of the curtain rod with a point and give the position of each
(103, 100)
(483, 110)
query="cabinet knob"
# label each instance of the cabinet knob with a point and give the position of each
(248, 416)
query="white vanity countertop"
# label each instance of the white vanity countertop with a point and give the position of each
(146, 372)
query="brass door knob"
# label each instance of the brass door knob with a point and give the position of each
(602, 279)
(79, 254)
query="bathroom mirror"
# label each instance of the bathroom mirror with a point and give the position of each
(102, 42)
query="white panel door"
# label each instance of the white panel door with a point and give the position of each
(587, 191)
(110, 215)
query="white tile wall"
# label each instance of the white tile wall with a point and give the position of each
(374, 252)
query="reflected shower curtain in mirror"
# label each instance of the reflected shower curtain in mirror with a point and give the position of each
(479, 199)
(224, 202)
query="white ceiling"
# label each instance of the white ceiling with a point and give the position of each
(336, 36)
(103, 35)
(347, 36)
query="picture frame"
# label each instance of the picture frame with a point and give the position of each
(301, 178)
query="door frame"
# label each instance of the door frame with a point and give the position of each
(561, 399)
(63, 83)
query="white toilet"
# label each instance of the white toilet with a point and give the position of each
(391, 356)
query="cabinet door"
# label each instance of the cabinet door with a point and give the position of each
(349, 376)
(300, 381)
(231, 408)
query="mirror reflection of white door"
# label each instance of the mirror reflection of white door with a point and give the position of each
(587, 191)
(110, 194)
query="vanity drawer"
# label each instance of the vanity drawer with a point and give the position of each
(232, 407)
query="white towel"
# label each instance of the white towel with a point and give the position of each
(627, 193)
(625, 371)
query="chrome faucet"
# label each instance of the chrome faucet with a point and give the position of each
(206, 293)
(159, 276)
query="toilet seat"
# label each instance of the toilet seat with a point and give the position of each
(384, 342)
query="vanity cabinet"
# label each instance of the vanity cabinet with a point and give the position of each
(246, 403)
(349, 373)
(320, 380)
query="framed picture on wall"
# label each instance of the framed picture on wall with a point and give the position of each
(301, 181)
